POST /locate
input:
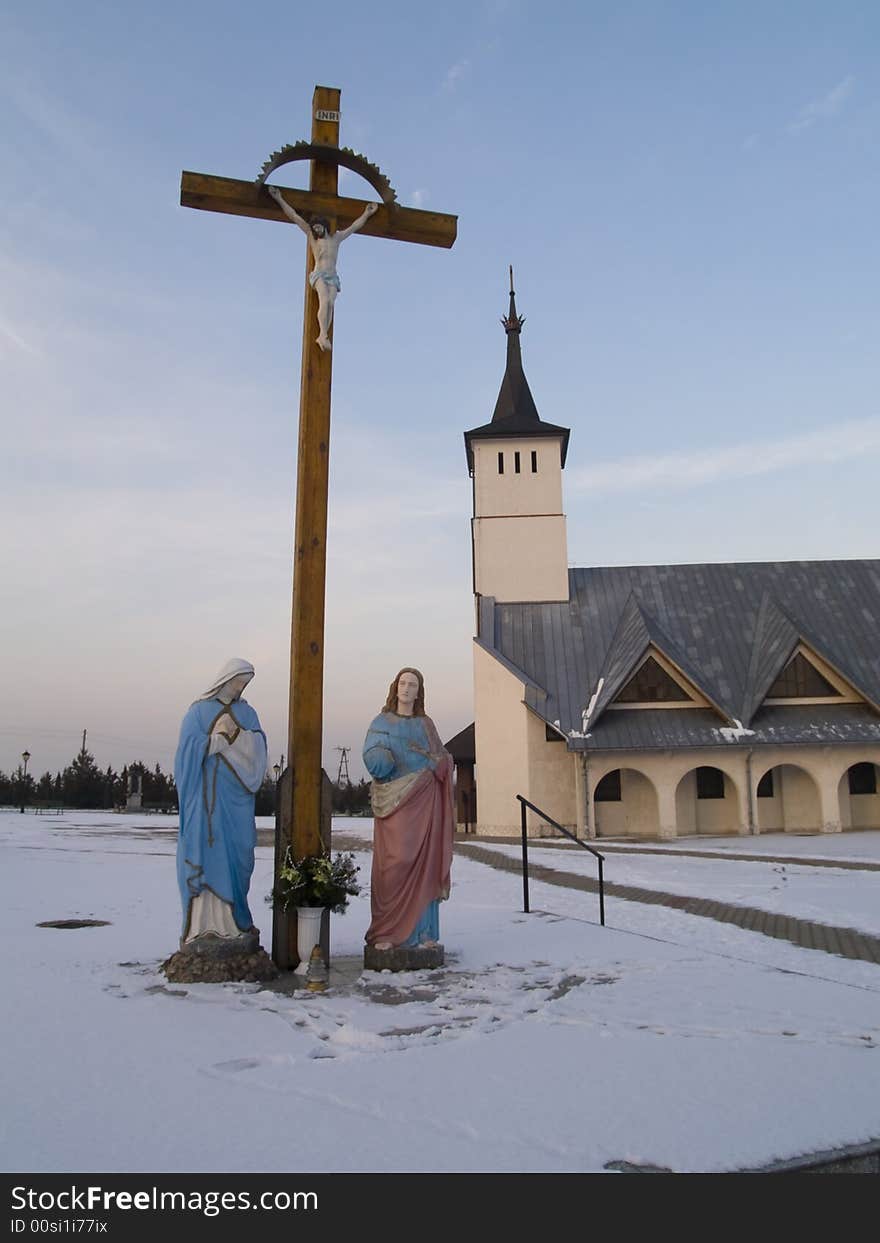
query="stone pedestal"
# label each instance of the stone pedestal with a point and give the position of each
(403, 958)
(210, 959)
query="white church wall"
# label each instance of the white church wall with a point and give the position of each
(864, 810)
(770, 811)
(511, 493)
(501, 740)
(551, 780)
(520, 543)
(686, 805)
(522, 560)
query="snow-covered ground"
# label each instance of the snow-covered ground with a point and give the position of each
(547, 1043)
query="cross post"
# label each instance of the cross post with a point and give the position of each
(300, 818)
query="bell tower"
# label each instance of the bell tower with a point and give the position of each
(518, 529)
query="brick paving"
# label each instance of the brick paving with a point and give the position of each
(805, 933)
(739, 856)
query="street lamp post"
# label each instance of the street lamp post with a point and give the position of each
(25, 756)
(276, 769)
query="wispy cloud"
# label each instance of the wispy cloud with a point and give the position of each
(8, 335)
(839, 442)
(455, 73)
(824, 107)
(57, 121)
(419, 198)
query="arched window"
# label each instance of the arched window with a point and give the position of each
(765, 785)
(710, 782)
(862, 779)
(608, 789)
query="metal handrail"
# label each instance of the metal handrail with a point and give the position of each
(524, 803)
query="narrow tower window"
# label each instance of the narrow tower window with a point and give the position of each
(500, 463)
(534, 461)
(516, 463)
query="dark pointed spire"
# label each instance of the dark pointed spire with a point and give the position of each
(515, 411)
(515, 397)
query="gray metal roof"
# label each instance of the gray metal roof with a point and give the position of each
(730, 628)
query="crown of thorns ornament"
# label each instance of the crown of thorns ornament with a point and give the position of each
(349, 159)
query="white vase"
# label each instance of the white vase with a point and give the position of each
(308, 934)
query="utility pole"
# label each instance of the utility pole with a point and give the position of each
(343, 766)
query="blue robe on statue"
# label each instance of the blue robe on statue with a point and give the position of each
(215, 848)
(397, 748)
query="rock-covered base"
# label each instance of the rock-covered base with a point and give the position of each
(216, 960)
(403, 958)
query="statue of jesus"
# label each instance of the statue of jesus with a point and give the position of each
(324, 246)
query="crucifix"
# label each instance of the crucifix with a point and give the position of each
(300, 817)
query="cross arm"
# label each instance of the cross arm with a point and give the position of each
(247, 198)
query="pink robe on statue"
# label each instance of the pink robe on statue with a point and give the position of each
(412, 852)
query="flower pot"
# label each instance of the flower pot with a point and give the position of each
(308, 934)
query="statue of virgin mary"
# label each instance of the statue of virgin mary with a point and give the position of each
(219, 766)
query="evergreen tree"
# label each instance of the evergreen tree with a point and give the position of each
(83, 782)
(351, 800)
(264, 804)
(45, 788)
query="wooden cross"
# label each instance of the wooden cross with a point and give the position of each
(302, 811)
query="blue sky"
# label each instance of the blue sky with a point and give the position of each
(688, 194)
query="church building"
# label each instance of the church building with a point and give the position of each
(663, 700)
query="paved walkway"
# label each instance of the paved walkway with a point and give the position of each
(740, 856)
(846, 942)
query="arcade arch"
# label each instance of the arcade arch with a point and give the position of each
(625, 805)
(706, 801)
(787, 799)
(858, 796)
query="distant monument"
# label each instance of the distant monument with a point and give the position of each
(134, 798)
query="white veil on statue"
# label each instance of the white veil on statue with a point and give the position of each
(232, 669)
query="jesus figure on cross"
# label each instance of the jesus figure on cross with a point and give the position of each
(324, 246)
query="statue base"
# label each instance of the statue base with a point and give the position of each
(403, 958)
(210, 959)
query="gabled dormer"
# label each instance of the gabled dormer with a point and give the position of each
(807, 679)
(657, 683)
(643, 668)
(787, 667)
(519, 542)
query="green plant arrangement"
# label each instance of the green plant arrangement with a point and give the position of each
(316, 881)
